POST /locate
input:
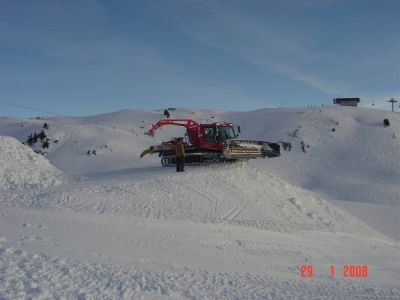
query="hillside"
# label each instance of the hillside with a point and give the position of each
(128, 228)
(358, 162)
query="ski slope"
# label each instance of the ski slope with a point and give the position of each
(111, 225)
(358, 162)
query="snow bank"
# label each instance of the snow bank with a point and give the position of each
(21, 168)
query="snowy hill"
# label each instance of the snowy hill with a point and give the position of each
(350, 158)
(358, 161)
(127, 227)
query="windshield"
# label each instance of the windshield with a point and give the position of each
(225, 133)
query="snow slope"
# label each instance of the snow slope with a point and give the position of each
(21, 168)
(229, 232)
(128, 228)
(359, 161)
(77, 256)
(216, 194)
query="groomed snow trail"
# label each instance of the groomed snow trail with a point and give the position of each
(231, 194)
(85, 255)
(219, 232)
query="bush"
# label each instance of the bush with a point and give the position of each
(42, 136)
(386, 122)
(29, 140)
(45, 144)
(35, 137)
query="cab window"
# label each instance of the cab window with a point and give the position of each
(225, 133)
(209, 134)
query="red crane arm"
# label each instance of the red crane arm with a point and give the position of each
(190, 124)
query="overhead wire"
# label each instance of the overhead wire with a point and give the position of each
(61, 115)
(31, 108)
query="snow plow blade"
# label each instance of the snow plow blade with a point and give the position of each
(147, 151)
(246, 149)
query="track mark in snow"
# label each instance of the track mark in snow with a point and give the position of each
(235, 211)
(82, 205)
(212, 199)
(101, 207)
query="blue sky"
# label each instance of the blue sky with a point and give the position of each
(87, 57)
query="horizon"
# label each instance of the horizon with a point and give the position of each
(99, 57)
(48, 114)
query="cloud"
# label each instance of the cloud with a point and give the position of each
(319, 3)
(79, 33)
(328, 86)
(75, 30)
(253, 41)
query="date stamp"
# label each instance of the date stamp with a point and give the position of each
(345, 271)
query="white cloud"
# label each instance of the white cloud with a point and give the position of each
(254, 42)
(319, 3)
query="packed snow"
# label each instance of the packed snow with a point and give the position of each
(125, 227)
(21, 167)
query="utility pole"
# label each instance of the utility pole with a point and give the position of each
(393, 102)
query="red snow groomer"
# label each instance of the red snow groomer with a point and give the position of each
(215, 142)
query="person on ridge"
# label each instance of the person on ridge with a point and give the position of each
(180, 155)
(166, 113)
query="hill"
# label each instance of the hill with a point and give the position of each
(350, 157)
(125, 227)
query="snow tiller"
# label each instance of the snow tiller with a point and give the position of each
(216, 142)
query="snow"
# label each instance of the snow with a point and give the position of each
(384, 218)
(359, 161)
(126, 227)
(21, 168)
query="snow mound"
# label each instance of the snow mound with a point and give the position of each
(20, 167)
(231, 194)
